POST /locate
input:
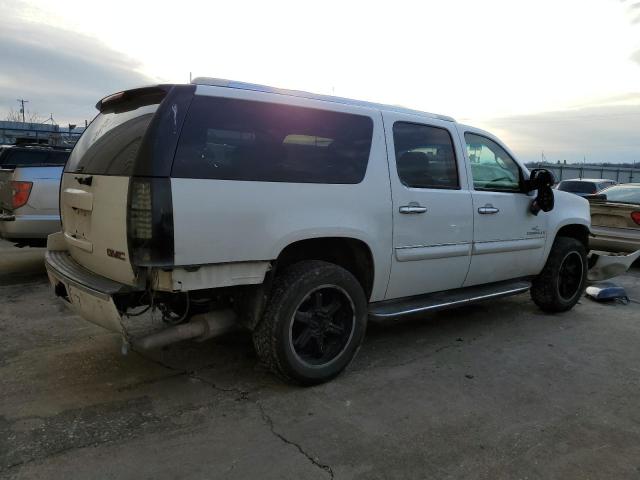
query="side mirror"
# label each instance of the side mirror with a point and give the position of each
(540, 177)
(541, 180)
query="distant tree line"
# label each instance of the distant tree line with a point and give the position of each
(29, 116)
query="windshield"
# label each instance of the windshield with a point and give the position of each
(577, 186)
(623, 194)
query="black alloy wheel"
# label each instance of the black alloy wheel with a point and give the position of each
(313, 324)
(570, 275)
(322, 325)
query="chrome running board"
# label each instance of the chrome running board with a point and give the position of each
(430, 302)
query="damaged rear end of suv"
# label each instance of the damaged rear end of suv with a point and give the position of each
(176, 201)
(115, 254)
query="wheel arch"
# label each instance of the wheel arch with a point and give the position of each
(575, 230)
(352, 254)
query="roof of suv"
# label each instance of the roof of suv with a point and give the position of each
(219, 82)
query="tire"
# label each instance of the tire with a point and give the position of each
(314, 323)
(562, 281)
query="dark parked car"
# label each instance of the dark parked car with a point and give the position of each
(585, 186)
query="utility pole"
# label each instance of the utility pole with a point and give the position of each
(22, 101)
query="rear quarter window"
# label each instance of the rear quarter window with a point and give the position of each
(230, 139)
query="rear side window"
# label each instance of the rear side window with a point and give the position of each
(229, 139)
(424, 156)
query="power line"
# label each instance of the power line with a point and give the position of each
(22, 101)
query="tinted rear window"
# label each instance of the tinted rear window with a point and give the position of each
(229, 139)
(577, 187)
(58, 158)
(110, 143)
(33, 157)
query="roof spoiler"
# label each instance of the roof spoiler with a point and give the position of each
(143, 96)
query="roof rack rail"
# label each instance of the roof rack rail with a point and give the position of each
(221, 82)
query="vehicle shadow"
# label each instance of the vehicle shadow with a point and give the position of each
(20, 265)
(230, 362)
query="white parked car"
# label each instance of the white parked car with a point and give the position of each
(300, 217)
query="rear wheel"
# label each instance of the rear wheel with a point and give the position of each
(562, 281)
(314, 323)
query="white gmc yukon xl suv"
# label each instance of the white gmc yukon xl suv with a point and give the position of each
(300, 217)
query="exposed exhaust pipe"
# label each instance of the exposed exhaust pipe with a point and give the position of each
(200, 327)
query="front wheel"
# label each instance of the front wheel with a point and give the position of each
(560, 284)
(314, 323)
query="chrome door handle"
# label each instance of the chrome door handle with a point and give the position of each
(488, 210)
(413, 208)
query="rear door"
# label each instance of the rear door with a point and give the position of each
(95, 185)
(508, 240)
(432, 216)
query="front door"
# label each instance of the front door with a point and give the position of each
(432, 214)
(508, 240)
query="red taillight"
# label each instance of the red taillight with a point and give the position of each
(635, 216)
(20, 192)
(150, 221)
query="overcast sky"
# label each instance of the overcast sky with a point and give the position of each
(559, 76)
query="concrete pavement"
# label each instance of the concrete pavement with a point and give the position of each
(497, 390)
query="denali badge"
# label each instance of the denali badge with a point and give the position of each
(115, 254)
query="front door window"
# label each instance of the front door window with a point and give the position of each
(492, 167)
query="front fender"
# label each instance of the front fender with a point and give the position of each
(569, 210)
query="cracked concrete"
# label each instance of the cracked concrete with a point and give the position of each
(314, 460)
(244, 395)
(497, 390)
